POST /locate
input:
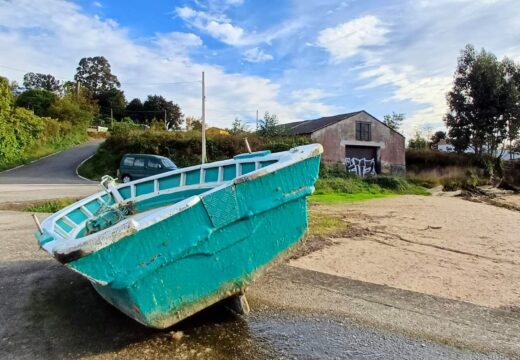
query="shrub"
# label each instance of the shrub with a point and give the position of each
(37, 100)
(184, 148)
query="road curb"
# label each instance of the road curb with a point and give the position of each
(80, 164)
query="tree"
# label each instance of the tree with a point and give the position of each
(484, 108)
(418, 142)
(6, 98)
(393, 121)
(438, 136)
(37, 81)
(112, 101)
(238, 127)
(158, 107)
(68, 110)
(19, 127)
(196, 125)
(95, 74)
(135, 110)
(193, 123)
(268, 126)
(37, 100)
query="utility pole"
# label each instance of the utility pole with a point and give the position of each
(78, 85)
(203, 121)
(111, 119)
(256, 119)
(165, 121)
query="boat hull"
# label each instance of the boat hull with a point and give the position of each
(206, 253)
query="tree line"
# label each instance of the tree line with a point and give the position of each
(47, 114)
(94, 75)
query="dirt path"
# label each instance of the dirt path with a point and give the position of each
(446, 247)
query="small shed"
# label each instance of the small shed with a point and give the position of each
(365, 145)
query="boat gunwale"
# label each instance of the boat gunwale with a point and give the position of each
(66, 249)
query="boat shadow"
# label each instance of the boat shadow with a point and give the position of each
(52, 312)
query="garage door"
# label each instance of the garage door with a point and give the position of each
(361, 160)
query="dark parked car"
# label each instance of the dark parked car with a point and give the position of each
(138, 166)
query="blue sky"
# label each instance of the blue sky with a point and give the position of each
(298, 59)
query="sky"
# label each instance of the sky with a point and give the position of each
(298, 59)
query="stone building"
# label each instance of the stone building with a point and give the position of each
(360, 141)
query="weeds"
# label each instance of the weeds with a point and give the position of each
(50, 206)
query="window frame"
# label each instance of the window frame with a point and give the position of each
(363, 131)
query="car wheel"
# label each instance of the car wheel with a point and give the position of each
(126, 178)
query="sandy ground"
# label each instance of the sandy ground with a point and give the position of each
(448, 247)
(512, 200)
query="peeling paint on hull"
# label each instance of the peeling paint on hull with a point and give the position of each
(207, 252)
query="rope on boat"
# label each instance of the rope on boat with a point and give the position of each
(107, 216)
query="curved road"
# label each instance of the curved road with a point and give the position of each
(55, 169)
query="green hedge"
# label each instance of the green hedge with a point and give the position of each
(417, 160)
(25, 136)
(183, 148)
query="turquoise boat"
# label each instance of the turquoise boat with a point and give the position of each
(165, 247)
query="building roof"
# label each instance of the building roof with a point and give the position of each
(309, 126)
(306, 127)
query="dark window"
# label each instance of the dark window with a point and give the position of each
(154, 164)
(139, 162)
(363, 131)
(129, 161)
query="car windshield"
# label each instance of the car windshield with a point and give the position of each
(169, 164)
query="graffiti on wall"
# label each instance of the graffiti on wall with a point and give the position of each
(361, 167)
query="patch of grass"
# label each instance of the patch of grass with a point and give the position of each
(102, 163)
(348, 188)
(342, 197)
(51, 206)
(324, 224)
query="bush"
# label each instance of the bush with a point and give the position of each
(184, 148)
(37, 100)
(417, 161)
(451, 170)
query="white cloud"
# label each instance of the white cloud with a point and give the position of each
(309, 94)
(427, 91)
(218, 26)
(420, 70)
(51, 36)
(351, 37)
(177, 42)
(256, 55)
(97, 4)
(234, 2)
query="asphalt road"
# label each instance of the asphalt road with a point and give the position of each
(55, 169)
